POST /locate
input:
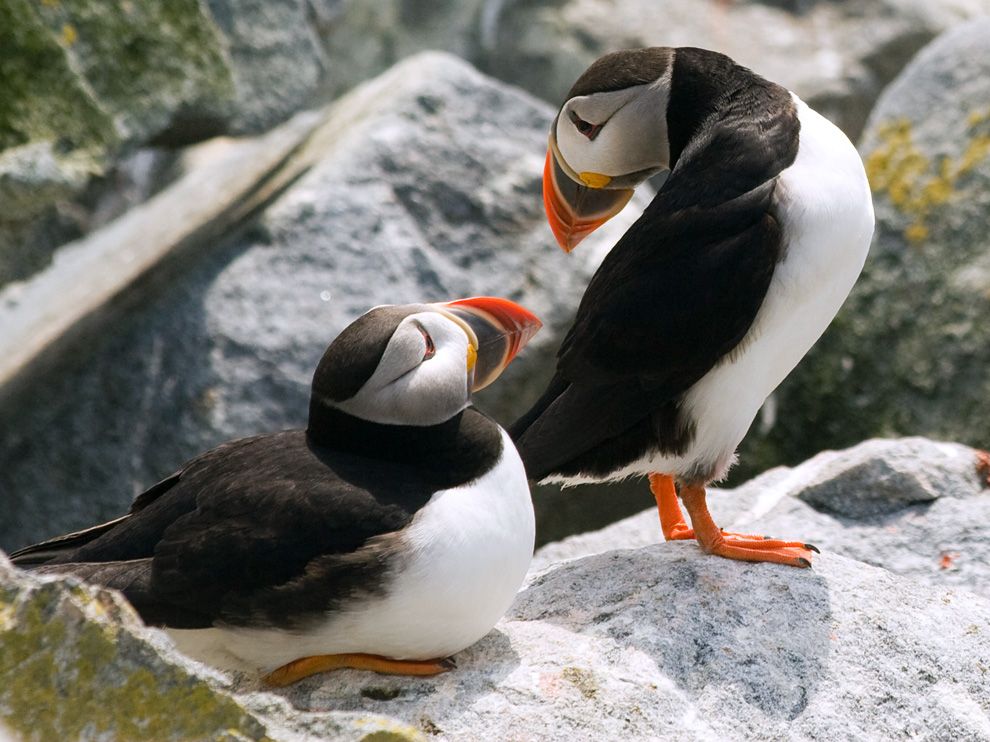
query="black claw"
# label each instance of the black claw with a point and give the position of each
(448, 663)
(812, 547)
(802, 562)
(768, 538)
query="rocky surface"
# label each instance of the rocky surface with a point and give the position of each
(190, 69)
(606, 640)
(223, 341)
(182, 71)
(76, 663)
(64, 117)
(837, 55)
(362, 39)
(664, 642)
(909, 351)
(38, 317)
(277, 63)
(916, 507)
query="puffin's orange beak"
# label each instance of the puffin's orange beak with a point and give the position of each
(575, 210)
(501, 328)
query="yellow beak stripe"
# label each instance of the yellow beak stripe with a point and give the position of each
(472, 357)
(595, 180)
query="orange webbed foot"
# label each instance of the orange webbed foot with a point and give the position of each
(713, 540)
(306, 666)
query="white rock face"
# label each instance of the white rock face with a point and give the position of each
(916, 507)
(666, 643)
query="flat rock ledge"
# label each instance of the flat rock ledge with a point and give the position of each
(655, 642)
(664, 642)
(917, 507)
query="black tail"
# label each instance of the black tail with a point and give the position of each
(60, 546)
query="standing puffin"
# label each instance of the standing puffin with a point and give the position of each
(709, 300)
(391, 533)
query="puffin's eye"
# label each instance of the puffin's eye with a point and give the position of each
(585, 127)
(431, 348)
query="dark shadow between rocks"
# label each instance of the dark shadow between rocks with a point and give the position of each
(122, 403)
(708, 623)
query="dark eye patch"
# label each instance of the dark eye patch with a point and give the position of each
(431, 348)
(587, 128)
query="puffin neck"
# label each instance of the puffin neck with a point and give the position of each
(453, 452)
(729, 129)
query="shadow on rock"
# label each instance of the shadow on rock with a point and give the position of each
(479, 668)
(713, 626)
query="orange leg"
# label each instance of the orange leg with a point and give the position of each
(738, 546)
(306, 666)
(712, 539)
(671, 518)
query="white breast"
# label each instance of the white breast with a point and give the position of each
(467, 554)
(826, 212)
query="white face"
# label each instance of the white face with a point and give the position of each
(422, 378)
(632, 138)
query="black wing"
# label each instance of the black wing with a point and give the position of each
(677, 294)
(267, 530)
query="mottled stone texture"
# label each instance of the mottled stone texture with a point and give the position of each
(663, 642)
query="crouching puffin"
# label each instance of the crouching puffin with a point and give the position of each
(391, 533)
(709, 300)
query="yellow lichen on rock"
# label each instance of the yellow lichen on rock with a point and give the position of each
(898, 169)
(69, 34)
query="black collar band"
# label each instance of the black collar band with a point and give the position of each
(451, 453)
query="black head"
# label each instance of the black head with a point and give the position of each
(417, 364)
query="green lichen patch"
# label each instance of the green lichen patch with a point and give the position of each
(69, 669)
(43, 97)
(143, 60)
(83, 81)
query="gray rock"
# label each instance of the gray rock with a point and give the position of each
(916, 507)
(361, 39)
(36, 316)
(663, 642)
(882, 477)
(908, 354)
(63, 117)
(182, 71)
(418, 191)
(837, 55)
(277, 63)
(76, 663)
